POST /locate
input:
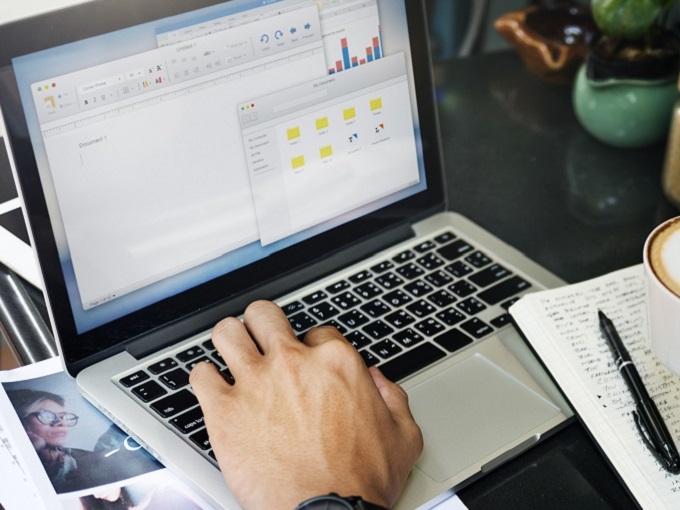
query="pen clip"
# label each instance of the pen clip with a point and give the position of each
(658, 455)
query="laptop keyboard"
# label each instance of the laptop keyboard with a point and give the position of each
(402, 314)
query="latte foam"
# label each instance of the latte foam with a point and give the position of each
(664, 256)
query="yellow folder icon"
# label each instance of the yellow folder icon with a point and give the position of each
(321, 123)
(376, 103)
(297, 162)
(349, 113)
(293, 133)
(326, 152)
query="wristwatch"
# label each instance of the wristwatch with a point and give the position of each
(334, 502)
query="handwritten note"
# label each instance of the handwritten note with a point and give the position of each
(562, 326)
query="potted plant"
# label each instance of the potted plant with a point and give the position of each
(625, 91)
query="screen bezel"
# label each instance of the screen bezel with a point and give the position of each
(101, 16)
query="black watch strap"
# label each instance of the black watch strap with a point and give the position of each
(334, 502)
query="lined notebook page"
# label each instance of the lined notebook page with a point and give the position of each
(562, 326)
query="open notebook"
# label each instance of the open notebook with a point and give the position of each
(562, 326)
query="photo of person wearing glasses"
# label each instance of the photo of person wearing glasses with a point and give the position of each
(54, 429)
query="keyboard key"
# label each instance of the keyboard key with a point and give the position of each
(476, 327)
(404, 256)
(501, 320)
(386, 349)
(208, 345)
(191, 365)
(149, 391)
(382, 267)
(360, 277)
(226, 375)
(509, 303)
(424, 246)
(491, 274)
(353, 319)
(175, 379)
(430, 261)
(408, 337)
(462, 288)
(421, 308)
(455, 249)
(411, 361)
(471, 306)
(301, 322)
(450, 316)
(323, 311)
(444, 238)
(389, 280)
(369, 358)
(175, 403)
(478, 259)
(378, 329)
(459, 269)
(399, 319)
(314, 297)
(201, 439)
(217, 356)
(397, 298)
(189, 421)
(453, 340)
(430, 327)
(410, 271)
(503, 290)
(135, 378)
(345, 300)
(442, 298)
(293, 307)
(418, 288)
(162, 366)
(358, 339)
(342, 329)
(190, 353)
(338, 287)
(375, 308)
(438, 278)
(368, 290)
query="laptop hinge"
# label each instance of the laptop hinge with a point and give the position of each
(203, 320)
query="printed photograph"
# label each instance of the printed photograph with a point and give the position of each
(77, 445)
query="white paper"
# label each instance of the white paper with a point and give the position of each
(562, 326)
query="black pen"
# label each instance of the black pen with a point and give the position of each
(647, 418)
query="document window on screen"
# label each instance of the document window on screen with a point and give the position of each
(322, 148)
(120, 140)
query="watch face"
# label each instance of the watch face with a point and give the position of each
(326, 503)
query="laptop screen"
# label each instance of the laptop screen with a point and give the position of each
(182, 150)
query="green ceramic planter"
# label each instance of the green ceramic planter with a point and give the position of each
(626, 112)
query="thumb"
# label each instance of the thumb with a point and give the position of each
(395, 396)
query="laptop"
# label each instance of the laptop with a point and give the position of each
(178, 159)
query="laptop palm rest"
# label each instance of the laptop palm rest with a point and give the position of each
(471, 410)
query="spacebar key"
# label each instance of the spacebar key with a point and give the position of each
(406, 364)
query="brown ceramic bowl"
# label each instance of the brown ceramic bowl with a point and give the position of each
(552, 41)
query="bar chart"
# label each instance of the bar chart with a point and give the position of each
(351, 36)
(351, 58)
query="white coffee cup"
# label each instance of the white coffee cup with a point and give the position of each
(662, 276)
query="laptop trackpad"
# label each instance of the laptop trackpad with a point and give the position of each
(470, 410)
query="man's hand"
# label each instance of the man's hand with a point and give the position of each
(303, 419)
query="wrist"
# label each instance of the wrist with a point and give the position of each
(333, 501)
